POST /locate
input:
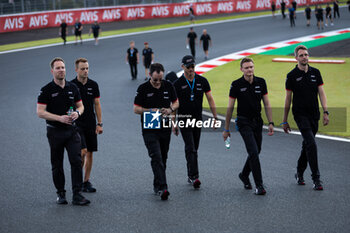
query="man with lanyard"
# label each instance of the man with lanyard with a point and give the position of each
(148, 58)
(59, 103)
(190, 88)
(303, 85)
(78, 28)
(205, 38)
(154, 98)
(249, 90)
(132, 58)
(95, 30)
(88, 129)
(192, 41)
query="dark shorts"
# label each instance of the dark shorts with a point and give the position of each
(308, 17)
(147, 64)
(88, 139)
(77, 33)
(95, 35)
(319, 18)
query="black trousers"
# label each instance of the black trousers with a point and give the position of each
(292, 21)
(283, 14)
(133, 69)
(308, 129)
(157, 144)
(336, 12)
(191, 137)
(63, 36)
(251, 132)
(193, 50)
(69, 139)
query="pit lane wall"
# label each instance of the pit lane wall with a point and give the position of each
(37, 20)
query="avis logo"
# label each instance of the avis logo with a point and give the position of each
(151, 120)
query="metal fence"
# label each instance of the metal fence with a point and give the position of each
(22, 6)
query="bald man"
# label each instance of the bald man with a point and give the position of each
(205, 38)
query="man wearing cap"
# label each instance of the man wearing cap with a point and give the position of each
(190, 88)
(147, 58)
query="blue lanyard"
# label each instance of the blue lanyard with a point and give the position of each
(192, 87)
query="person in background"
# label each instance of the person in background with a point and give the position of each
(147, 58)
(63, 31)
(95, 30)
(132, 58)
(78, 28)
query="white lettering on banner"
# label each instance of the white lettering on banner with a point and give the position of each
(67, 16)
(88, 16)
(112, 14)
(303, 2)
(263, 3)
(37, 21)
(204, 8)
(316, 1)
(14, 23)
(180, 10)
(136, 12)
(227, 6)
(245, 5)
(160, 11)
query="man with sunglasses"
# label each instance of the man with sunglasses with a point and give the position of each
(190, 88)
(157, 97)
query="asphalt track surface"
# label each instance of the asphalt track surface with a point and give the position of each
(124, 201)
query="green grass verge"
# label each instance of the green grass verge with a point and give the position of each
(336, 78)
(124, 31)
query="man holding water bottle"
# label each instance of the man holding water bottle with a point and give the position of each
(249, 90)
(59, 103)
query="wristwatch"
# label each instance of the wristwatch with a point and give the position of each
(78, 112)
(100, 124)
(326, 112)
(272, 123)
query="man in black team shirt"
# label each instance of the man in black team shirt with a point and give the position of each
(249, 90)
(132, 58)
(283, 9)
(192, 41)
(319, 16)
(329, 15)
(303, 85)
(78, 28)
(205, 38)
(88, 129)
(59, 103)
(95, 30)
(336, 8)
(190, 89)
(154, 98)
(147, 58)
(308, 15)
(63, 31)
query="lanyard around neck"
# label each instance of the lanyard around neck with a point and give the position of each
(192, 87)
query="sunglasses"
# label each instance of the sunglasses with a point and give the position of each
(190, 66)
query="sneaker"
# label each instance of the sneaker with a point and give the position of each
(300, 179)
(195, 183)
(326, 25)
(332, 24)
(87, 187)
(260, 190)
(164, 194)
(79, 199)
(61, 198)
(246, 181)
(318, 185)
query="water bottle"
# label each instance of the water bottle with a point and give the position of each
(228, 142)
(70, 111)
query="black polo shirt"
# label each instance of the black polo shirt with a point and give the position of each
(88, 92)
(58, 100)
(248, 96)
(183, 91)
(308, 12)
(147, 53)
(132, 54)
(305, 91)
(205, 38)
(192, 37)
(149, 97)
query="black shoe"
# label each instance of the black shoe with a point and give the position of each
(318, 185)
(79, 199)
(260, 190)
(246, 181)
(164, 194)
(300, 179)
(61, 198)
(87, 187)
(196, 183)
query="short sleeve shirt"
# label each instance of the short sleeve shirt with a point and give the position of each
(149, 97)
(95, 28)
(89, 92)
(248, 96)
(192, 37)
(308, 11)
(63, 28)
(58, 100)
(132, 54)
(77, 26)
(188, 107)
(205, 38)
(305, 91)
(147, 53)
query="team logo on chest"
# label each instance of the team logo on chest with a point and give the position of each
(150, 94)
(243, 89)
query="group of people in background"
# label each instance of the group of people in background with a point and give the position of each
(319, 13)
(95, 30)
